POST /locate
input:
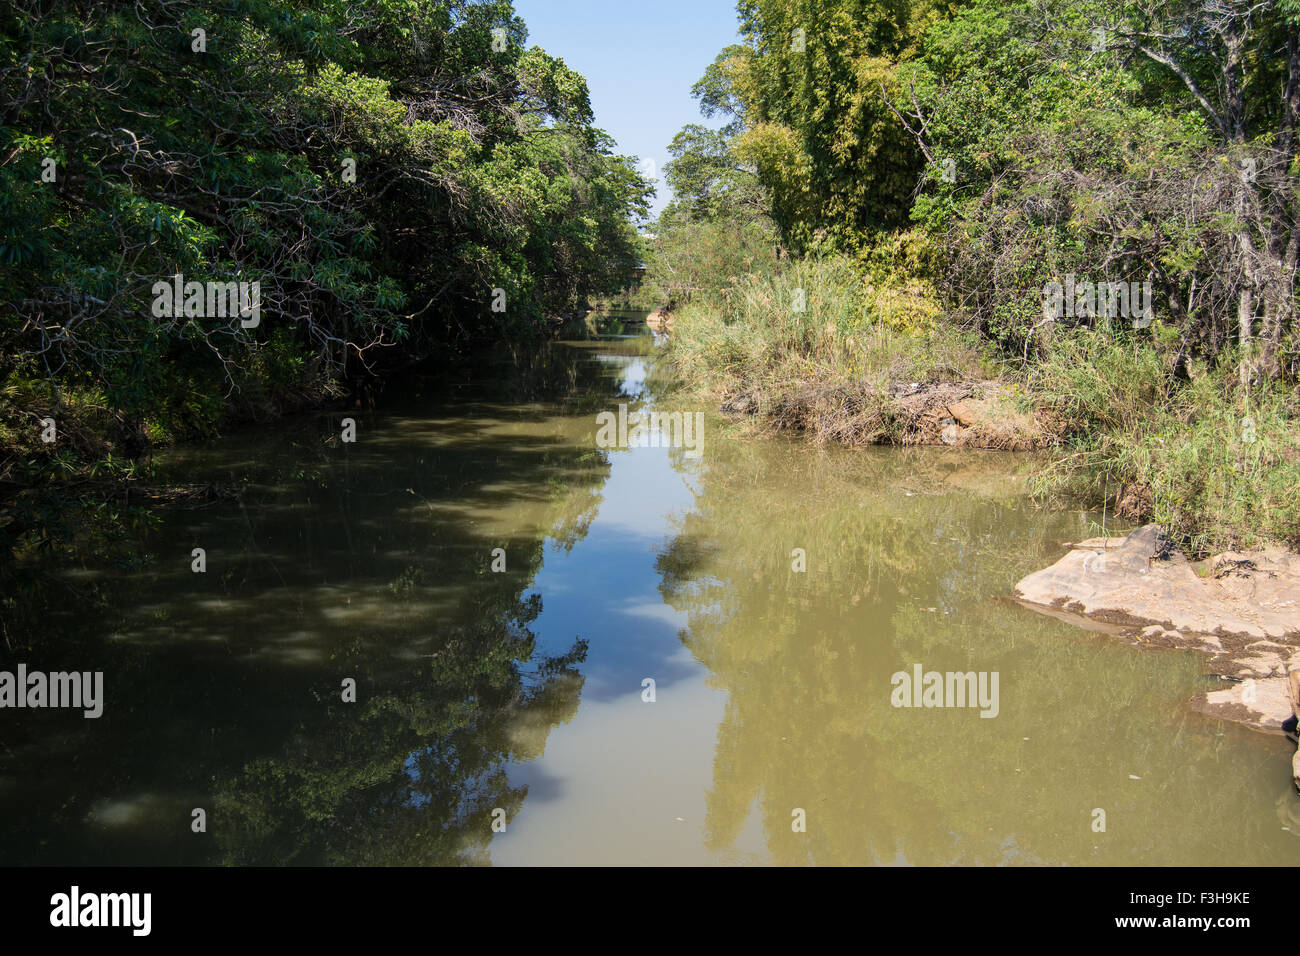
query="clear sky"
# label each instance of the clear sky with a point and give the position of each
(640, 59)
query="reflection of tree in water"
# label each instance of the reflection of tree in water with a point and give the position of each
(410, 777)
(412, 774)
(806, 661)
(370, 563)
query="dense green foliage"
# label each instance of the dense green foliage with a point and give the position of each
(398, 176)
(838, 166)
(966, 157)
(1074, 147)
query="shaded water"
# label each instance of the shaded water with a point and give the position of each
(521, 691)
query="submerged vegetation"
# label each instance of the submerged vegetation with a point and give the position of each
(895, 191)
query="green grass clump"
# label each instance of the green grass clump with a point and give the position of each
(1216, 463)
(812, 345)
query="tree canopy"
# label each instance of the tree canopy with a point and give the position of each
(396, 176)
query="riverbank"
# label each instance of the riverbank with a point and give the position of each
(1129, 426)
(1135, 424)
(70, 459)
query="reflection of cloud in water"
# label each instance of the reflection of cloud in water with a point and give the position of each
(659, 612)
(642, 490)
(633, 383)
(632, 380)
(124, 812)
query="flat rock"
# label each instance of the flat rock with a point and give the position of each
(1261, 704)
(660, 320)
(1136, 581)
(1240, 608)
(965, 413)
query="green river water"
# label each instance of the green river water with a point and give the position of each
(499, 715)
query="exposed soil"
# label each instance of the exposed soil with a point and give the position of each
(965, 414)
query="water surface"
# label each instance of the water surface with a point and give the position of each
(515, 697)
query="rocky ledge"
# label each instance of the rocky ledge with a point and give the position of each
(660, 320)
(1241, 608)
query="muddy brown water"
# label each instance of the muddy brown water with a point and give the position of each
(501, 716)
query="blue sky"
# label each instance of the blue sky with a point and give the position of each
(640, 60)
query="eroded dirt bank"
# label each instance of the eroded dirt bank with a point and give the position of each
(965, 414)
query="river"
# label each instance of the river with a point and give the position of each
(351, 681)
